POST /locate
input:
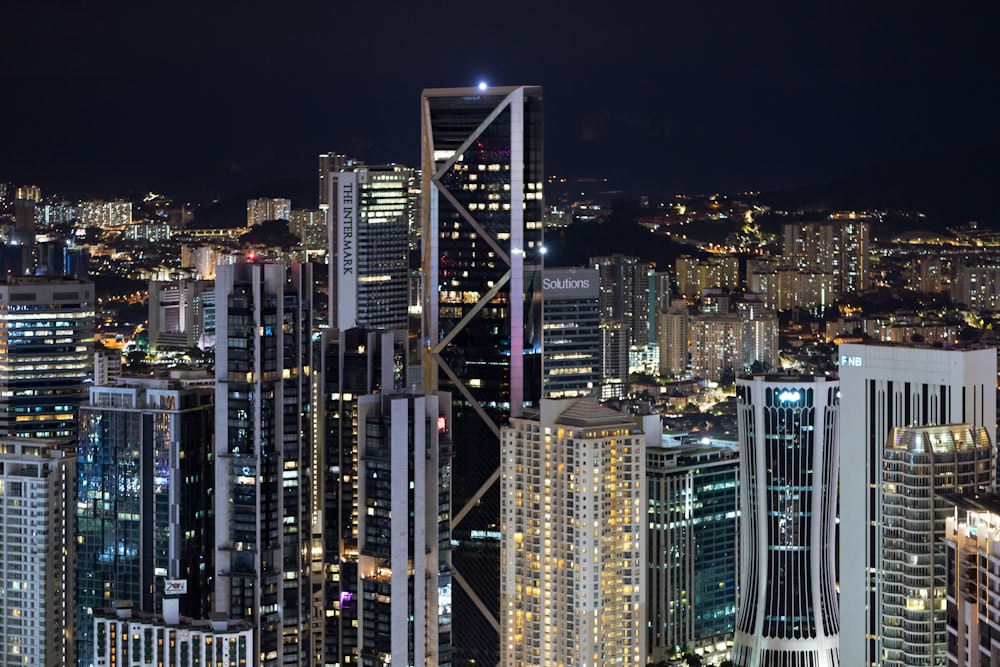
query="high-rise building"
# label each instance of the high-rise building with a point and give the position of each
(310, 226)
(573, 528)
(884, 387)
(788, 612)
(972, 557)
(46, 348)
(614, 361)
(355, 363)
(144, 465)
(625, 293)
(920, 463)
(108, 215)
(369, 247)
(264, 518)
(758, 334)
(37, 552)
(571, 336)
(181, 314)
(482, 253)
(260, 210)
(695, 275)
(22, 247)
(404, 613)
(694, 508)
(715, 346)
(836, 246)
(672, 326)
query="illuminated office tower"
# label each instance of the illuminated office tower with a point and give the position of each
(263, 497)
(672, 325)
(625, 294)
(369, 247)
(573, 535)
(181, 314)
(144, 465)
(919, 464)
(715, 346)
(885, 387)
(972, 557)
(788, 611)
(977, 284)
(571, 336)
(482, 254)
(259, 210)
(37, 552)
(46, 348)
(694, 507)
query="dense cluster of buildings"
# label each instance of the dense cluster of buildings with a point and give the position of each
(434, 454)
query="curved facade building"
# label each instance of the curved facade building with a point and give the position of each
(788, 614)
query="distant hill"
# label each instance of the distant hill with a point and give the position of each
(232, 211)
(949, 189)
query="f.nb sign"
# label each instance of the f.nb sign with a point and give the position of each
(850, 361)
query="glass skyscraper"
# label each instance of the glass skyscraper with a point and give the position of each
(482, 253)
(693, 495)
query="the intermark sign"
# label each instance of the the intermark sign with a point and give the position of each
(571, 283)
(347, 246)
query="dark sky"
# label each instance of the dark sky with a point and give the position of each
(201, 98)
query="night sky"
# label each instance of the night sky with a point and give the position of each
(202, 99)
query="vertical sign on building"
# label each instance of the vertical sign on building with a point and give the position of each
(347, 247)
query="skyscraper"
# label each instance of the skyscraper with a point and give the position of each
(369, 247)
(920, 463)
(37, 552)
(46, 348)
(144, 465)
(574, 536)
(885, 387)
(571, 337)
(404, 611)
(972, 558)
(263, 500)
(694, 501)
(672, 337)
(482, 251)
(788, 611)
(625, 294)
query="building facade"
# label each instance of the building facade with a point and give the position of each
(482, 254)
(920, 464)
(693, 512)
(264, 519)
(369, 247)
(789, 461)
(571, 335)
(46, 343)
(268, 208)
(181, 314)
(37, 552)
(972, 558)
(715, 346)
(144, 466)
(884, 387)
(573, 532)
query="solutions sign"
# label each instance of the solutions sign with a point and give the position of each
(571, 283)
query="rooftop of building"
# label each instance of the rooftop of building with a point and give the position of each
(974, 502)
(124, 610)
